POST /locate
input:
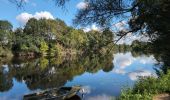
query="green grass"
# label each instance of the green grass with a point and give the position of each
(146, 88)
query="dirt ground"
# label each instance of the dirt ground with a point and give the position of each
(164, 96)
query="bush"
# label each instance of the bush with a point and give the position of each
(145, 88)
(43, 48)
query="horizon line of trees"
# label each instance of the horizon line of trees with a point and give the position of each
(52, 37)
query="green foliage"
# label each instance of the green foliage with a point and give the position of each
(139, 45)
(75, 39)
(43, 47)
(99, 41)
(58, 50)
(43, 63)
(53, 37)
(45, 28)
(25, 43)
(6, 35)
(145, 88)
(146, 17)
(128, 94)
(5, 25)
(43, 73)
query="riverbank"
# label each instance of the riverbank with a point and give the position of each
(164, 96)
(148, 88)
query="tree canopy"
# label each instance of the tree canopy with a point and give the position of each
(52, 37)
(142, 14)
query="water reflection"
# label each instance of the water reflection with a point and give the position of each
(101, 97)
(123, 60)
(140, 73)
(100, 75)
(134, 67)
(5, 79)
(42, 73)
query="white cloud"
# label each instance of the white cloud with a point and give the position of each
(101, 97)
(123, 60)
(119, 71)
(121, 25)
(86, 29)
(82, 5)
(24, 17)
(43, 14)
(92, 27)
(130, 37)
(146, 60)
(140, 73)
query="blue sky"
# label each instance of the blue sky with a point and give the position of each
(9, 11)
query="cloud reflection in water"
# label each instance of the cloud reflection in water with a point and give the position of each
(101, 97)
(125, 65)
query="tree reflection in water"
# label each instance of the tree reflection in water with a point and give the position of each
(5, 79)
(43, 73)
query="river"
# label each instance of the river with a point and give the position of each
(102, 76)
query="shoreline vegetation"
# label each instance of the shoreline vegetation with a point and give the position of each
(148, 89)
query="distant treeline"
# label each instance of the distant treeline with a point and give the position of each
(51, 37)
(47, 37)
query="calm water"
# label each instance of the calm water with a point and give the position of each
(103, 77)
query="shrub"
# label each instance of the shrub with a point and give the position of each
(145, 88)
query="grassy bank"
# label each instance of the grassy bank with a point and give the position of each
(146, 88)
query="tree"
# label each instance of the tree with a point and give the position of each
(5, 25)
(6, 34)
(142, 14)
(32, 27)
(43, 47)
(99, 40)
(146, 17)
(75, 39)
